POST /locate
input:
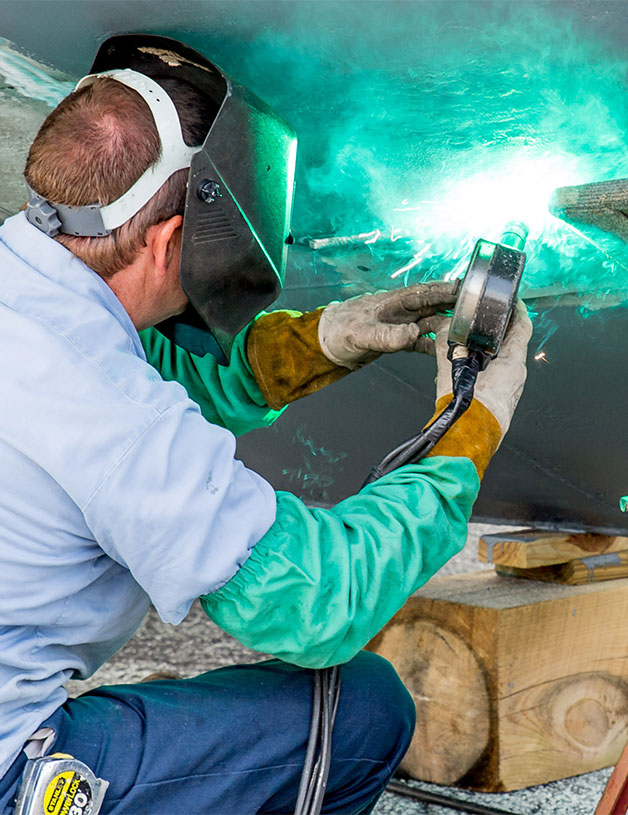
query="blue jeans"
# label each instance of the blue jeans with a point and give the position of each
(232, 741)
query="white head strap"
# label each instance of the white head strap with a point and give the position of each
(175, 155)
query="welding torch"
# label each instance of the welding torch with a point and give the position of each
(486, 298)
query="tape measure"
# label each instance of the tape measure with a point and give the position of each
(59, 784)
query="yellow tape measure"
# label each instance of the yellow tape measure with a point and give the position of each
(59, 784)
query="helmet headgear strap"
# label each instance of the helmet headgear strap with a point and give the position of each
(94, 220)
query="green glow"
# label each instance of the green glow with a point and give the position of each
(428, 125)
(623, 503)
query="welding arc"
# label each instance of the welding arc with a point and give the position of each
(315, 772)
(464, 372)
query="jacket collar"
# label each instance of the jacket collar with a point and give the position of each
(52, 260)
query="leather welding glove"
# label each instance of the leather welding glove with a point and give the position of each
(357, 331)
(479, 431)
(291, 355)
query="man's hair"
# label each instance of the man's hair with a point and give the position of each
(95, 145)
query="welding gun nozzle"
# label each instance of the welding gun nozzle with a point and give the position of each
(515, 235)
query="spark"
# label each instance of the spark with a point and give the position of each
(417, 208)
(372, 237)
(513, 187)
(457, 271)
(596, 244)
(478, 197)
(415, 260)
(540, 357)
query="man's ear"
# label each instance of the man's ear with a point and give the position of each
(164, 242)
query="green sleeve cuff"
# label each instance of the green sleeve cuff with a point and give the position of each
(227, 395)
(322, 583)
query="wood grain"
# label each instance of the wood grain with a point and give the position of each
(529, 549)
(516, 683)
(592, 569)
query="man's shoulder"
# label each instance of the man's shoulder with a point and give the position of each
(79, 350)
(62, 321)
(77, 390)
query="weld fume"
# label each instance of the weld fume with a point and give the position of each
(433, 122)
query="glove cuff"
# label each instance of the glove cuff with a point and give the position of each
(503, 406)
(286, 359)
(476, 435)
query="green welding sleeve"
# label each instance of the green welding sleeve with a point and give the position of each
(228, 395)
(322, 582)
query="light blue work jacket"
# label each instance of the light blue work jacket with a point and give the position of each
(114, 491)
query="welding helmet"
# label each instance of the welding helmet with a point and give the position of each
(239, 195)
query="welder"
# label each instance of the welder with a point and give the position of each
(119, 484)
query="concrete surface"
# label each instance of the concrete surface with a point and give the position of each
(197, 645)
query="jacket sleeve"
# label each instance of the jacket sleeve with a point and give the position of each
(228, 395)
(322, 582)
(177, 510)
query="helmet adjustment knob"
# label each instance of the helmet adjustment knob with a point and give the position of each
(208, 190)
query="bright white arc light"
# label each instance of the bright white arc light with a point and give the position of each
(512, 188)
(478, 198)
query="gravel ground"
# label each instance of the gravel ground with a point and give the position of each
(197, 645)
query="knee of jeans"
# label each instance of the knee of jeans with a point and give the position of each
(384, 704)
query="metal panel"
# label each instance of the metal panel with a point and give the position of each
(564, 461)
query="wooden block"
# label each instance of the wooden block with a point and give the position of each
(590, 569)
(515, 682)
(529, 548)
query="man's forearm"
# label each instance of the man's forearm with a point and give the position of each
(321, 583)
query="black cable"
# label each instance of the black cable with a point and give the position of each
(316, 788)
(464, 372)
(314, 780)
(315, 771)
(330, 709)
(309, 764)
(400, 788)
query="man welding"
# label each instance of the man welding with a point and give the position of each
(159, 195)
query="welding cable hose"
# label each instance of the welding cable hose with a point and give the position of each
(437, 799)
(326, 695)
(464, 374)
(310, 760)
(497, 389)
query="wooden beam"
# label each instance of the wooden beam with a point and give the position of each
(529, 549)
(590, 569)
(515, 682)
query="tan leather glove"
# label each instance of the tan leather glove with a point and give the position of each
(284, 347)
(479, 431)
(286, 359)
(357, 331)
